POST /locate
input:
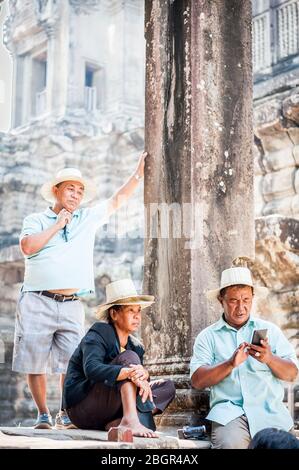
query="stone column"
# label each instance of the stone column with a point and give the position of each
(25, 110)
(57, 27)
(198, 132)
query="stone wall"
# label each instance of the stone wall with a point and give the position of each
(276, 120)
(276, 157)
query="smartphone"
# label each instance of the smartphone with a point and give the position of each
(257, 336)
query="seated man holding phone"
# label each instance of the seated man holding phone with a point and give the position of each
(243, 359)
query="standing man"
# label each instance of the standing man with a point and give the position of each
(245, 380)
(58, 248)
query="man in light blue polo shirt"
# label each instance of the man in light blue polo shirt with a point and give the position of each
(58, 248)
(245, 379)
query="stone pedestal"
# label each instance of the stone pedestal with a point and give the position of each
(198, 133)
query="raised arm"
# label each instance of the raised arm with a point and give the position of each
(125, 191)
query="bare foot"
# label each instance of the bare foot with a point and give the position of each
(137, 428)
(113, 424)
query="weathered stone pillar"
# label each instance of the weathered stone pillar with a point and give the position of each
(58, 58)
(198, 133)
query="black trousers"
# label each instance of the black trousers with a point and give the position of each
(103, 404)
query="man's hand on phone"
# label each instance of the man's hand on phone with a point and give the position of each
(240, 355)
(261, 353)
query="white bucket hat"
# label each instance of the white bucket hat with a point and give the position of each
(122, 292)
(68, 174)
(236, 276)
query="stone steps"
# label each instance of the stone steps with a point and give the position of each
(30, 438)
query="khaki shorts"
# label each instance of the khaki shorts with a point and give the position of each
(46, 334)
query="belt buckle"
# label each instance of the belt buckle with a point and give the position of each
(58, 297)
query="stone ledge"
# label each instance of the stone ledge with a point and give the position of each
(30, 438)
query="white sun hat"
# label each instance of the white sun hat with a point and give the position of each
(122, 292)
(69, 174)
(236, 276)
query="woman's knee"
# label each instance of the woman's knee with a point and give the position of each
(169, 387)
(164, 392)
(127, 358)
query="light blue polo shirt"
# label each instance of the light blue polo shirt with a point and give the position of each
(66, 261)
(251, 388)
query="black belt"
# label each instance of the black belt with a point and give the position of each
(58, 297)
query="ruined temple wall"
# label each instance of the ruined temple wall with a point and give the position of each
(276, 148)
(276, 152)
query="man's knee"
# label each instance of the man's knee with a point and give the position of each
(127, 358)
(234, 435)
(230, 442)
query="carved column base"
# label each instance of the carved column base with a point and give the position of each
(190, 407)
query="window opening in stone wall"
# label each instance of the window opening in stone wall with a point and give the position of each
(287, 18)
(93, 87)
(19, 93)
(261, 42)
(275, 35)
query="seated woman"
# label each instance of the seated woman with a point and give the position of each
(105, 384)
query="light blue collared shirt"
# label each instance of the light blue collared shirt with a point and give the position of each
(66, 261)
(251, 388)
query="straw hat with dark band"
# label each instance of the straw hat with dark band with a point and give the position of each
(122, 292)
(236, 276)
(69, 174)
